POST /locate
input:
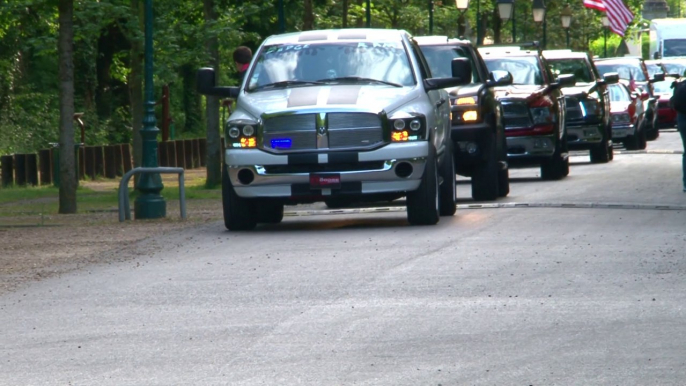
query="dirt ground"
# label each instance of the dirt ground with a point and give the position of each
(64, 243)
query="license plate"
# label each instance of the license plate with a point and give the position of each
(325, 181)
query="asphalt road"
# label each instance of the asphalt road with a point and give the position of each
(574, 282)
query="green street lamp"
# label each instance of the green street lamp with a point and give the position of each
(506, 12)
(149, 204)
(282, 17)
(606, 26)
(462, 6)
(539, 17)
(566, 19)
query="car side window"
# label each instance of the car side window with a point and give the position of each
(423, 66)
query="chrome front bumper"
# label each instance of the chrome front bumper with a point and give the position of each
(381, 180)
(540, 146)
(623, 131)
(584, 134)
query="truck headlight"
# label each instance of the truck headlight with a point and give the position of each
(241, 134)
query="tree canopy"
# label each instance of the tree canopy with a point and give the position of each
(108, 43)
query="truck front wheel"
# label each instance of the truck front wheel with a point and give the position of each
(423, 203)
(239, 213)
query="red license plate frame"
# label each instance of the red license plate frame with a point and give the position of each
(325, 180)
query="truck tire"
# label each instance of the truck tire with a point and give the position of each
(423, 203)
(269, 212)
(239, 213)
(503, 173)
(642, 140)
(447, 191)
(601, 154)
(486, 176)
(557, 167)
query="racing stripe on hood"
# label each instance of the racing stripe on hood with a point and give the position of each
(344, 95)
(303, 96)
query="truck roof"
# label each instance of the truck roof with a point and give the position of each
(439, 40)
(348, 34)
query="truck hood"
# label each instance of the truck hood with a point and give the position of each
(519, 91)
(466, 90)
(579, 88)
(371, 98)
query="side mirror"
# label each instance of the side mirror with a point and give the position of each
(206, 85)
(611, 78)
(659, 77)
(462, 74)
(675, 75)
(566, 80)
(499, 78)
(461, 68)
(656, 55)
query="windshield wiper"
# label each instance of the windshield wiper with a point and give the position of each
(359, 79)
(286, 83)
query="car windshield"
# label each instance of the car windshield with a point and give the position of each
(674, 47)
(626, 71)
(577, 67)
(663, 87)
(653, 69)
(674, 68)
(336, 62)
(440, 57)
(524, 69)
(618, 93)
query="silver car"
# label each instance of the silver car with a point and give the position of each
(337, 115)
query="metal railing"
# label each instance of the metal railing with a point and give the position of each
(124, 207)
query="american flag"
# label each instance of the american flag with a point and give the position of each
(617, 13)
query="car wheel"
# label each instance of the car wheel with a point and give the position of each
(642, 140)
(269, 212)
(447, 190)
(652, 134)
(486, 176)
(239, 213)
(423, 203)
(600, 154)
(557, 167)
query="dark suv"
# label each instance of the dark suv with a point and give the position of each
(588, 103)
(477, 129)
(533, 109)
(633, 71)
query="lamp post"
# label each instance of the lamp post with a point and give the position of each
(369, 14)
(149, 204)
(282, 18)
(462, 6)
(539, 17)
(566, 19)
(606, 25)
(431, 17)
(506, 12)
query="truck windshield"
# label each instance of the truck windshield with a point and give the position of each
(440, 57)
(301, 65)
(626, 71)
(577, 67)
(674, 47)
(524, 69)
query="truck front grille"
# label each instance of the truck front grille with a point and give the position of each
(516, 115)
(320, 131)
(350, 130)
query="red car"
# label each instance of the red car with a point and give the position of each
(666, 115)
(626, 108)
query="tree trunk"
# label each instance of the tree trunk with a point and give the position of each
(68, 179)
(191, 99)
(213, 147)
(308, 17)
(136, 85)
(345, 14)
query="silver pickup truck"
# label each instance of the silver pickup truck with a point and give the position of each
(351, 114)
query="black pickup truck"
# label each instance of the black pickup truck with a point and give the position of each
(480, 148)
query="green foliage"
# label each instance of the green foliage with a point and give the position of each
(106, 30)
(597, 47)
